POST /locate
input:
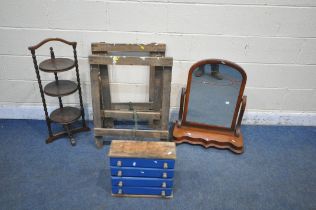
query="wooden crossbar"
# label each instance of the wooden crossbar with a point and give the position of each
(107, 47)
(121, 114)
(135, 105)
(131, 132)
(130, 60)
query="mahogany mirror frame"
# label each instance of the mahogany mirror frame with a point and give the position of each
(211, 135)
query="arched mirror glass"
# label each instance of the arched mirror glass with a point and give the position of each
(214, 90)
(212, 106)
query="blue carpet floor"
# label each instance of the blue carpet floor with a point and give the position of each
(277, 171)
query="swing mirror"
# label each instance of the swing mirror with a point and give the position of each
(212, 105)
(213, 92)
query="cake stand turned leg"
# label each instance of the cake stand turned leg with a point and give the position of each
(71, 138)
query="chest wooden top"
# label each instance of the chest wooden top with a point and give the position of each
(143, 149)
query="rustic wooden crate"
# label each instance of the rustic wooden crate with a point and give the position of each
(156, 110)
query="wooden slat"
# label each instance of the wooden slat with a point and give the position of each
(142, 149)
(95, 92)
(105, 94)
(135, 106)
(131, 132)
(152, 78)
(166, 85)
(158, 88)
(121, 114)
(106, 47)
(130, 60)
(151, 83)
(105, 87)
(157, 94)
(154, 89)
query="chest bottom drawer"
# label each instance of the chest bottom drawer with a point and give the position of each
(164, 192)
(141, 182)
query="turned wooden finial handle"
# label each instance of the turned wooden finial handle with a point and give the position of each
(52, 54)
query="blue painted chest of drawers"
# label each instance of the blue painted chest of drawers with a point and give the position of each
(142, 169)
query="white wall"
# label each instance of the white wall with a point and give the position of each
(273, 40)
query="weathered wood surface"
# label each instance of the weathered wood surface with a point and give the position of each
(130, 60)
(163, 134)
(155, 109)
(95, 95)
(158, 88)
(124, 114)
(105, 87)
(134, 106)
(142, 149)
(106, 47)
(151, 83)
(166, 84)
(154, 89)
(105, 94)
(152, 76)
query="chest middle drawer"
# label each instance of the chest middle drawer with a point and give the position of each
(141, 172)
(142, 163)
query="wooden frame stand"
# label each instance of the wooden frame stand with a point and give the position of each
(156, 111)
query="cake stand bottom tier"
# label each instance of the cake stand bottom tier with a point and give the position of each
(65, 115)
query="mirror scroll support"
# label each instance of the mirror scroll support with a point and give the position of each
(240, 116)
(179, 122)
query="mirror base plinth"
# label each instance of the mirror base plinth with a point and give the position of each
(208, 138)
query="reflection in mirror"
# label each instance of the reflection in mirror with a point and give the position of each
(214, 93)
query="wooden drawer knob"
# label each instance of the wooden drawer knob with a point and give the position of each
(119, 173)
(163, 193)
(164, 185)
(119, 163)
(165, 165)
(120, 184)
(164, 175)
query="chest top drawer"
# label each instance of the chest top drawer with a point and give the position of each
(142, 149)
(142, 163)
